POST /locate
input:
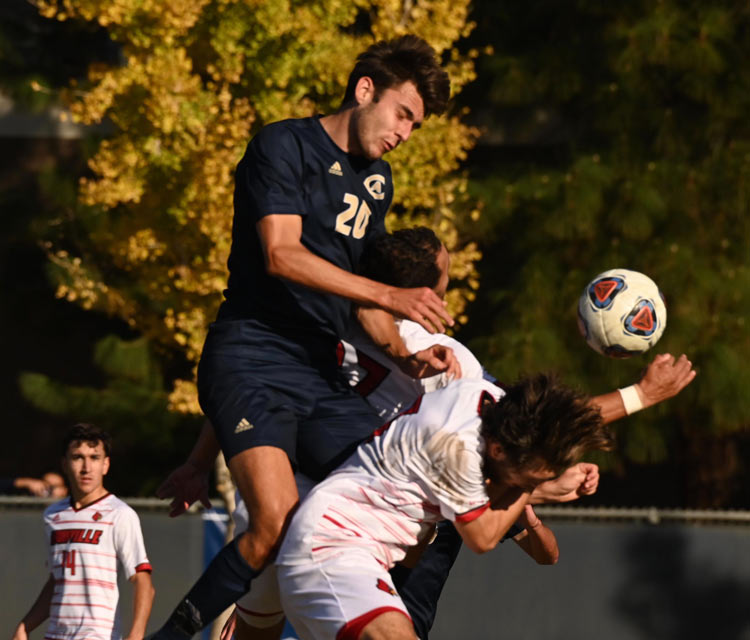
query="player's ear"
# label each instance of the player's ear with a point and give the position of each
(106, 465)
(494, 450)
(364, 90)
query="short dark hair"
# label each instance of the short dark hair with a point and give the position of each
(408, 58)
(88, 433)
(406, 258)
(540, 419)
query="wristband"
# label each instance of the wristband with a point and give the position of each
(631, 399)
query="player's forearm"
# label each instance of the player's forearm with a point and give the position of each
(610, 405)
(143, 599)
(484, 533)
(39, 611)
(540, 543)
(379, 325)
(205, 449)
(297, 264)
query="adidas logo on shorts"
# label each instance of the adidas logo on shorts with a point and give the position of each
(243, 425)
(336, 169)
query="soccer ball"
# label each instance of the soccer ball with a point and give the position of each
(621, 313)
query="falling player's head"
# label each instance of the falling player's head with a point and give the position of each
(407, 258)
(86, 450)
(394, 85)
(541, 424)
(391, 63)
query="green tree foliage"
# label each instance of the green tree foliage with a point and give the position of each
(625, 142)
(131, 403)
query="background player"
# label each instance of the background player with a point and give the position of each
(469, 453)
(87, 535)
(308, 194)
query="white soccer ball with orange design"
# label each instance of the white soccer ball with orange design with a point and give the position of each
(621, 313)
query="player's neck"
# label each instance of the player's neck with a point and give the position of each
(79, 500)
(338, 127)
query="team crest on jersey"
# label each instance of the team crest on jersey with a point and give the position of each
(374, 185)
(96, 517)
(384, 586)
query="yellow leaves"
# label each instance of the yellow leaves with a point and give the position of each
(198, 78)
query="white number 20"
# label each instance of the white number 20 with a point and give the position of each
(362, 219)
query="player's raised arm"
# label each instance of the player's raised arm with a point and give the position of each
(287, 258)
(381, 329)
(664, 378)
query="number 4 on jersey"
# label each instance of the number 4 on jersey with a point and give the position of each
(69, 561)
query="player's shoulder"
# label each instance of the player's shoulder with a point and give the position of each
(56, 508)
(287, 131)
(119, 508)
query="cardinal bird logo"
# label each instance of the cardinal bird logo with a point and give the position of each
(97, 516)
(384, 586)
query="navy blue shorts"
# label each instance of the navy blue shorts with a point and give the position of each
(261, 387)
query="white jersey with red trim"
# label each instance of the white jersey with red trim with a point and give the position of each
(424, 466)
(84, 548)
(382, 383)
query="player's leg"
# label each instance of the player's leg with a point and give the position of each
(390, 625)
(420, 587)
(266, 483)
(246, 631)
(256, 428)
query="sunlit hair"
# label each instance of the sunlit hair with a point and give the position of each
(88, 433)
(405, 258)
(541, 420)
(390, 63)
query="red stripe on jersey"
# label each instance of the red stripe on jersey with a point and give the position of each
(353, 629)
(144, 566)
(473, 514)
(85, 603)
(88, 581)
(88, 522)
(338, 524)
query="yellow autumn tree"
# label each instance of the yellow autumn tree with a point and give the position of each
(197, 78)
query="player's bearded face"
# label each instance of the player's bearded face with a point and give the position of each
(387, 119)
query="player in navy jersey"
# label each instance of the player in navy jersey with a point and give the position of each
(308, 194)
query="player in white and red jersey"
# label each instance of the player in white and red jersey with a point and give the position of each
(88, 534)
(469, 453)
(415, 257)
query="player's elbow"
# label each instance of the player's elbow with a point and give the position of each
(549, 557)
(480, 544)
(276, 261)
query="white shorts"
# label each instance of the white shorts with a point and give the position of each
(338, 597)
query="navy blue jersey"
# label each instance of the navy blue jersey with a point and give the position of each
(293, 167)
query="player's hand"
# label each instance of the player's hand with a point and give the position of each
(20, 632)
(665, 377)
(186, 484)
(227, 631)
(421, 305)
(528, 519)
(430, 362)
(581, 479)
